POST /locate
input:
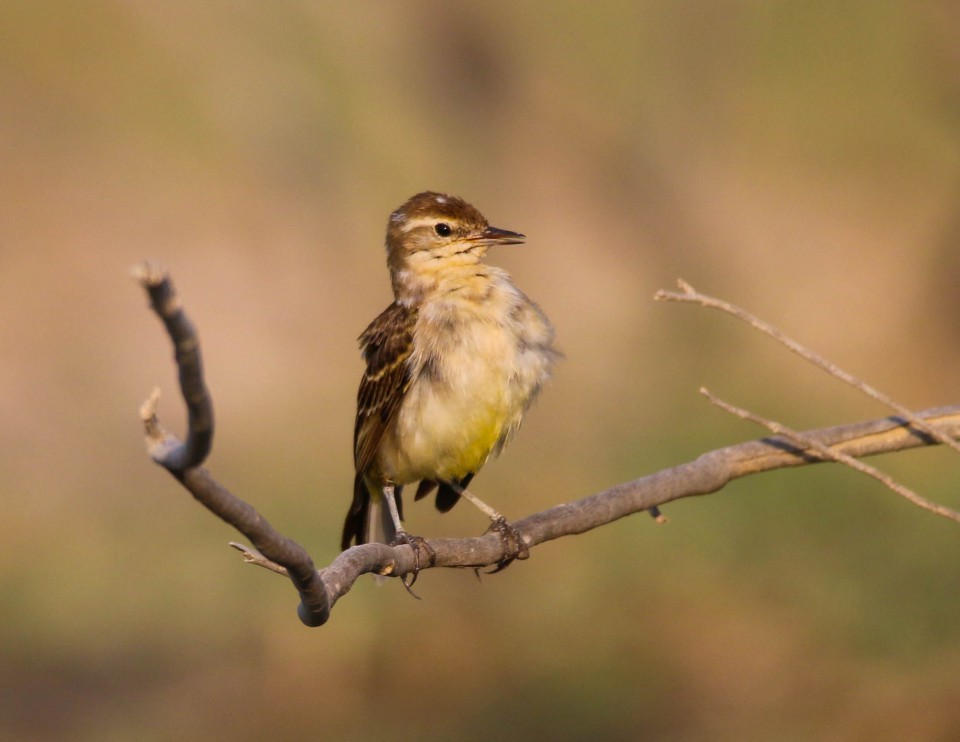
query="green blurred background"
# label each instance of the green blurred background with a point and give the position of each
(801, 159)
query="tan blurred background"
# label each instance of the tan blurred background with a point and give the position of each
(800, 159)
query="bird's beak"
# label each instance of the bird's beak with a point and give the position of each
(495, 236)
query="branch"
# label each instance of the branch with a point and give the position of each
(690, 294)
(164, 449)
(830, 454)
(182, 459)
(320, 589)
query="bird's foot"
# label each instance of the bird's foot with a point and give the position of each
(418, 544)
(513, 544)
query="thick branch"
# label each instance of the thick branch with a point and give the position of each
(182, 459)
(704, 475)
(165, 450)
(319, 590)
(712, 471)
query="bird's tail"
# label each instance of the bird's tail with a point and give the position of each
(368, 520)
(378, 525)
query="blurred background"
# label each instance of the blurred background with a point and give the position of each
(802, 160)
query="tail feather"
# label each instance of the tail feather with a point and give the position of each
(378, 526)
(447, 492)
(368, 520)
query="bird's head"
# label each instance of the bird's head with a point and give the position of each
(434, 236)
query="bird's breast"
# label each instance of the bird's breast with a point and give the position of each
(476, 368)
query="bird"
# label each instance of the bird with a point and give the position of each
(452, 365)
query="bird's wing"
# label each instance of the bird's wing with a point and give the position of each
(386, 344)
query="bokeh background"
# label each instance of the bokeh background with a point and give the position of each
(802, 160)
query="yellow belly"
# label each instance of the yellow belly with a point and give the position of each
(447, 431)
(476, 368)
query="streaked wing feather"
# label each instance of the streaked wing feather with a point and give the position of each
(386, 344)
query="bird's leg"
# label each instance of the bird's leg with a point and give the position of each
(402, 537)
(478, 503)
(513, 543)
(390, 496)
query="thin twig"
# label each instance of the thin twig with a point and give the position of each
(807, 442)
(252, 556)
(691, 295)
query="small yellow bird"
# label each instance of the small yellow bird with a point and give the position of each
(452, 365)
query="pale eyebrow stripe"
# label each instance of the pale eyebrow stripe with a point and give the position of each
(422, 221)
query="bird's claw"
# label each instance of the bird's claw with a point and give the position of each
(417, 543)
(513, 544)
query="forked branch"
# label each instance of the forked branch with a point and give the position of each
(320, 589)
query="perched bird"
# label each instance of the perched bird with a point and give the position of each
(452, 365)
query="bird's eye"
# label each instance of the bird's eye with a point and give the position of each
(443, 229)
